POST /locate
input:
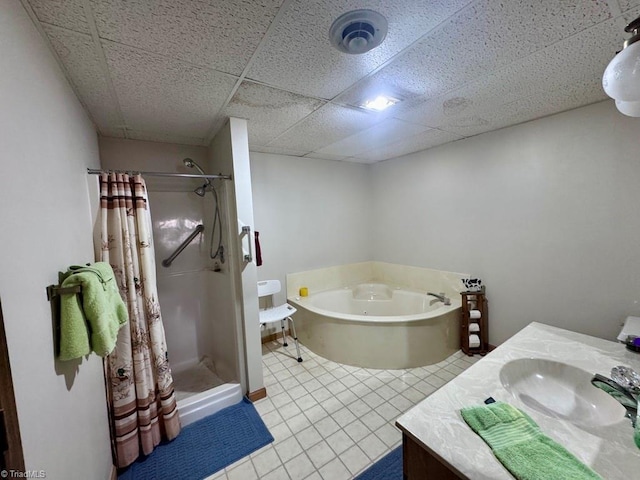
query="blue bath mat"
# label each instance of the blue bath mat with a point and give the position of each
(205, 446)
(388, 467)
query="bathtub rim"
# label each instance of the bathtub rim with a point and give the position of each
(305, 302)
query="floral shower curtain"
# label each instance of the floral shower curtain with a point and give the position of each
(142, 404)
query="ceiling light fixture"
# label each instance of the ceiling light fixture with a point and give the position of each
(380, 103)
(621, 79)
(358, 31)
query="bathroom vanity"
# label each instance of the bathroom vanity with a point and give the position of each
(438, 444)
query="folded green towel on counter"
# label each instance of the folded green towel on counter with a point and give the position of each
(520, 445)
(89, 321)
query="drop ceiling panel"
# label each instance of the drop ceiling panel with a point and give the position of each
(63, 13)
(563, 66)
(77, 53)
(326, 125)
(486, 36)
(374, 137)
(422, 141)
(164, 137)
(325, 156)
(298, 56)
(276, 150)
(269, 111)
(628, 4)
(219, 34)
(462, 67)
(163, 95)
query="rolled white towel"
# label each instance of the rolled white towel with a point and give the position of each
(475, 314)
(474, 327)
(474, 341)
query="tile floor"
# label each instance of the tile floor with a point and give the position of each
(332, 421)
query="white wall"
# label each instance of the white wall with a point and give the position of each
(546, 213)
(310, 213)
(47, 144)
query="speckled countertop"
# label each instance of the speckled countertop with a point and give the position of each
(436, 422)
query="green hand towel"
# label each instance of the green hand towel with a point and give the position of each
(520, 445)
(93, 322)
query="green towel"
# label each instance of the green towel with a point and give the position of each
(520, 445)
(90, 321)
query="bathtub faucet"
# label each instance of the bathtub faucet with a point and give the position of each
(440, 296)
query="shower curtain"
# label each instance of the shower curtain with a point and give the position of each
(142, 405)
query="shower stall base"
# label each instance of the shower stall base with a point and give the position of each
(200, 405)
(195, 379)
(200, 392)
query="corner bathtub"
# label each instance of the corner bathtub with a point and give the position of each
(375, 325)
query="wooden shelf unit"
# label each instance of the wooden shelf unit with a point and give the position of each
(478, 299)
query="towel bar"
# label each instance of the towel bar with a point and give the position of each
(55, 290)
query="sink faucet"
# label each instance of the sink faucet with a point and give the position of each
(440, 296)
(627, 397)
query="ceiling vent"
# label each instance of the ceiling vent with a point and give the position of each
(358, 31)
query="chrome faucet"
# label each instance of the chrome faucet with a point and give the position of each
(627, 395)
(440, 296)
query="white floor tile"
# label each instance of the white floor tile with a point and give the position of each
(357, 430)
(335, 470)
(343, 416)
(266, 461)
(321, 454)
(289, 448)
(308, 437)
(242, 472)
(354, 459)
(333, 421)
(327, 426)
(339, 441)
(278, 474)
(299, 467)
(373, 446)
(298, 423)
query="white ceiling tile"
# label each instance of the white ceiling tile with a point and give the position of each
(269, 111)
(164, 137)
(163, 95)
(298, 56)
(628, 4)
(78, 55)
(486, 36)
(277, 151)
(326, 125)
(63, 13)
(423, 141)
(483, 65)
(388, 131)
(219, 34)
(471, 109)
(325, 156)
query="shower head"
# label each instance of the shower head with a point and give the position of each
(201, 190)
(191, 164)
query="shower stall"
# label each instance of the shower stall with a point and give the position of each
(204, 285)
(204, 362)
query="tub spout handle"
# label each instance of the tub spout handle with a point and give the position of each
(440, 296)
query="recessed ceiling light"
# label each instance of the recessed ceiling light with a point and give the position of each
(380, 103)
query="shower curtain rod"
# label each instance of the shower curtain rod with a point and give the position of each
(93, 171)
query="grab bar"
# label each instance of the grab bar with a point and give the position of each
(246, 231)
(167, 262)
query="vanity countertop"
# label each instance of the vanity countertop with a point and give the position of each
(436, 423)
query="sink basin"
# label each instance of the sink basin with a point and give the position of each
(560, 391)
